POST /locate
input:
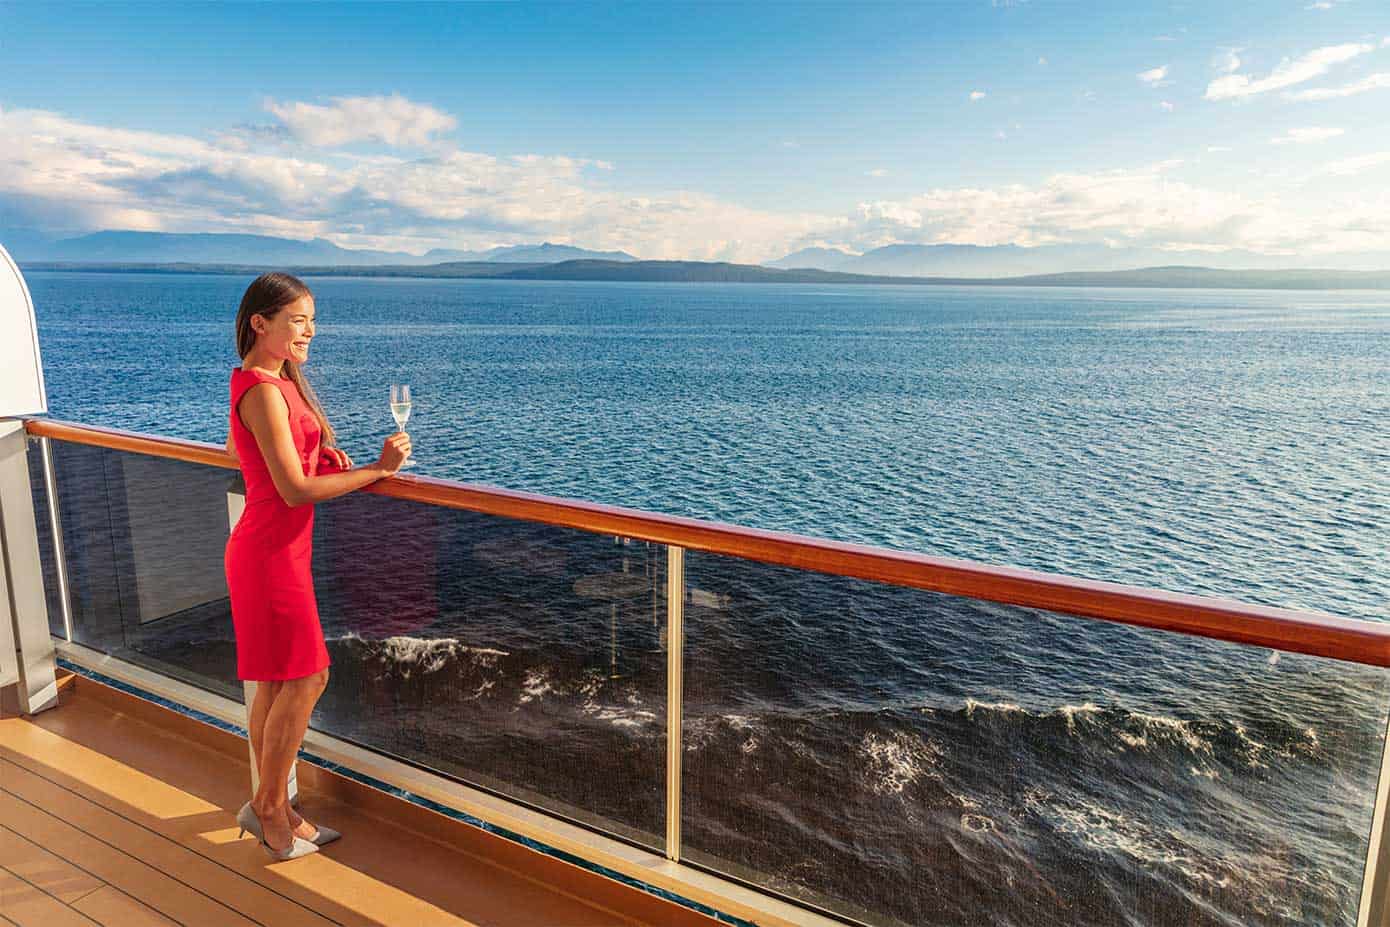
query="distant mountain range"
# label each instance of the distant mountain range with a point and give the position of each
(714, 272)
(957, 261)
(217, 248)
(1013, 260)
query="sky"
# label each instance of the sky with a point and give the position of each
(707, 131)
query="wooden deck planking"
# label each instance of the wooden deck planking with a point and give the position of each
(125, 823)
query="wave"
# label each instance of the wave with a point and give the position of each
(896, 757)
(1190, 807)
(1202, 740)
(419, 654)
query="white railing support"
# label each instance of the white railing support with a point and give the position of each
(24, 608)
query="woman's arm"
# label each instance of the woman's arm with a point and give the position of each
(266, 413)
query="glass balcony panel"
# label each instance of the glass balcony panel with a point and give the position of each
(144, 539)
(907, 757)
(523, 658)
(44, 527)
(894, 755)
(80, 480)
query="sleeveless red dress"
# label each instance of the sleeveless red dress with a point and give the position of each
(274, 612)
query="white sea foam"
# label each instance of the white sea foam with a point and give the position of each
(625, 716)
(696, 732)
(1108, 829)
(976, 823)
(1162, 727)
(425, 654)
(895, 761)
(971, 706)
(537, 684)
(1070, 712)
(965, 801)
(429, 655)
(699, 732)
(619, 716)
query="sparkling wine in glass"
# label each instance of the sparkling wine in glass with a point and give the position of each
(400, 411)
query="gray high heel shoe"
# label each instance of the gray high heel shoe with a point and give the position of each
(324, 835)
(246, 817)
(251, 824)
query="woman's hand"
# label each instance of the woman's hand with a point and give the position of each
(335, 457)
(394, 452)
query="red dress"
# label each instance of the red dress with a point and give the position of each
(267, 561)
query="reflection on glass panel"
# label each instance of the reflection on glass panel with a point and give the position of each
(523, 658)
(43, 525)
(144, 538)
(80, 479)
(907, 757)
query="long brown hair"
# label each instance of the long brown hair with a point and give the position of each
(266, 296)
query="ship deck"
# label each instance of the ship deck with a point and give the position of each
(118, 811)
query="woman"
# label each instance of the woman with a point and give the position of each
(282, 441)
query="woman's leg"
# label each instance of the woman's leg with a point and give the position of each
(286, 720)
(260, 708)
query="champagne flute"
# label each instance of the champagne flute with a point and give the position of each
(400, 411)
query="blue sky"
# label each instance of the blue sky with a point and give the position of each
(730, 131)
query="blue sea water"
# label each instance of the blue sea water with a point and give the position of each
(1219, 442)
(1227, 443)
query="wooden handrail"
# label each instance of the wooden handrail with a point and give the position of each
(1295, 631)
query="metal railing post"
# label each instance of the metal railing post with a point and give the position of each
(236, 502)
(675, 653)
(60, 557)
(1375, 885)
(24, 608)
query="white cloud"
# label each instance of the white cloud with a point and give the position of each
(1348, 166)
(1154, 77)
(876, 172)
(392, 120)
(55, 171)
(1227, 61)
(1321, 5)
(1372, 82)
(1304, 136)
(1042, 61)
(1216, 148)
(977, 95)
(1166, 106)
(1314, 64)
(1144, 207)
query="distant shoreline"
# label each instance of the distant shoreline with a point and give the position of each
(708, 272)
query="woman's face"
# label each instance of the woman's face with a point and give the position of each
(287, 335)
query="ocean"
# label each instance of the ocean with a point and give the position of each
(895, 755)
